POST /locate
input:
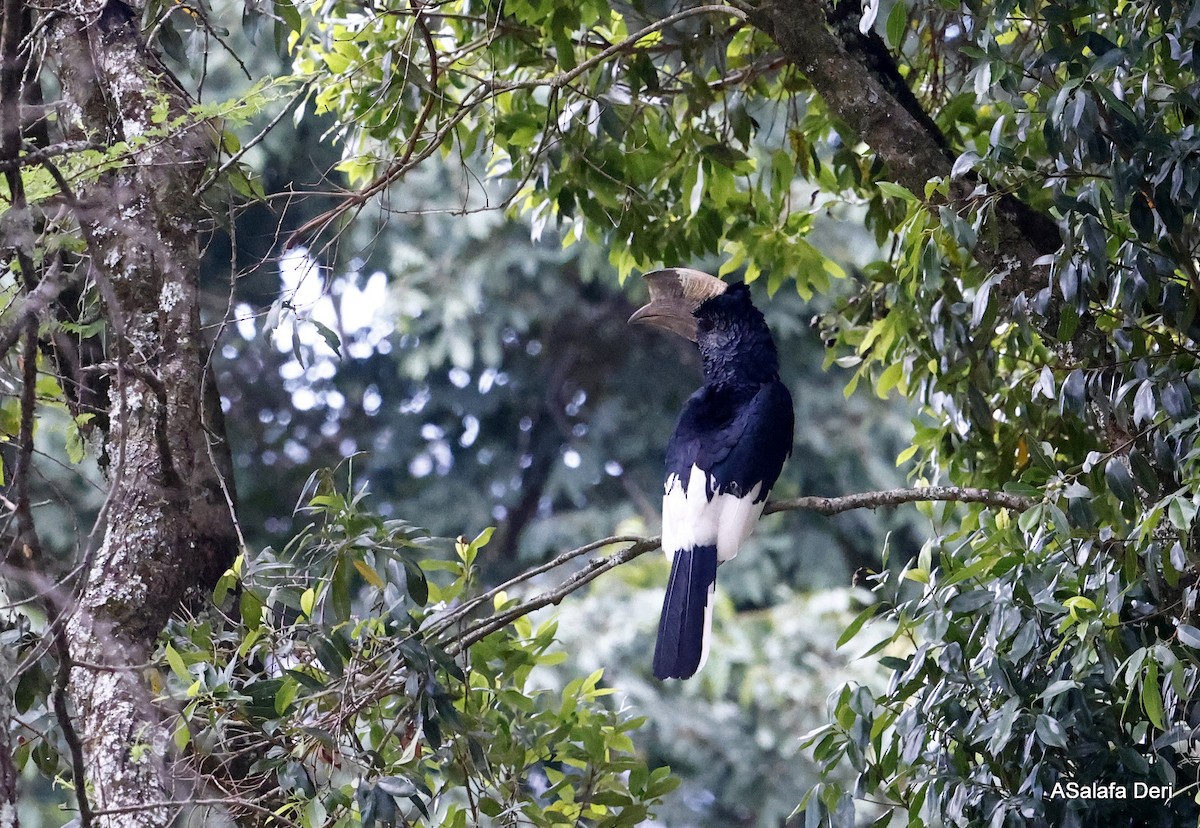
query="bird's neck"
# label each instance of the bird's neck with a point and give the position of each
(744, 358)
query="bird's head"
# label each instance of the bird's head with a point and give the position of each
(721, 319)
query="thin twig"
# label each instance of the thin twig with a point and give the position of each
(255, 141)
(27, 536)
(236, 802)
(490, 89)
(30, 555)
(460, 612)
(589, 573)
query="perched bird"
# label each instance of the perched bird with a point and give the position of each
(727, 450)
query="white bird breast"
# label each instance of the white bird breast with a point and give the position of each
(690, 519)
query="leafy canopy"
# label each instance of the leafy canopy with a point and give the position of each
(1029, 649)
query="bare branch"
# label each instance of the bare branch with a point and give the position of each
(462, 611)
(39, 156)
(66, 722)
(861, 85)
(593, 570)
(27, 549)
(180, 804)
(33, 305)
(27, 543)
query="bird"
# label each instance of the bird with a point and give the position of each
(726, 452)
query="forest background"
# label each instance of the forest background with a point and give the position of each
(332, 463)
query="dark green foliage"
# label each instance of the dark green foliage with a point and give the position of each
(345, 698)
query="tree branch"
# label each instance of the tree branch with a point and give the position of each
(894, 497)
(460, 612)
(39, 156)
(33, 305)
(8, 770)
(592, 570)
(27, 552)
(485, 91)
(482, 628)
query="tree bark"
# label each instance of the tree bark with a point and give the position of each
(858, 80)
(169, 529)
(8, 770)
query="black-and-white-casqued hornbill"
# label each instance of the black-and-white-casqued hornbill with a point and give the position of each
(727, 450)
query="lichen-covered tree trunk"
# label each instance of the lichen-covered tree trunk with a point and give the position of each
(8, 771)
(169, 527)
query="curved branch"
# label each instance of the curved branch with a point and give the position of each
(461, 611)
(639, 546)
(593, 569)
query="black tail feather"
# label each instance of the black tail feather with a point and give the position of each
(683, 627)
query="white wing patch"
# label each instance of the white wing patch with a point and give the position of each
(690, 519)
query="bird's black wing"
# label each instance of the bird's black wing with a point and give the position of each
(738, 437)
(764, 432)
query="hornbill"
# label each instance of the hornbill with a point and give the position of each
(727, 450)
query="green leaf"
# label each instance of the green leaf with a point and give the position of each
(1050, 731)
(1151, 696)
(564, 50)
(339, 590)
(854, 626)
(418, 586)
(76, 448)
(1188, 635)
(481, 540)
(251, 609)
(897, 25)
(1182, 512)
(1120, 482)
(182, 735)
(287, 14)
(286, 695)
(177, 664)
(889, 379)
(330, 336)
(893, 190)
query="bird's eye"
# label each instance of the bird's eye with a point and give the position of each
(704, 324)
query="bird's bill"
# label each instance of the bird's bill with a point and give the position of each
(675, 293)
